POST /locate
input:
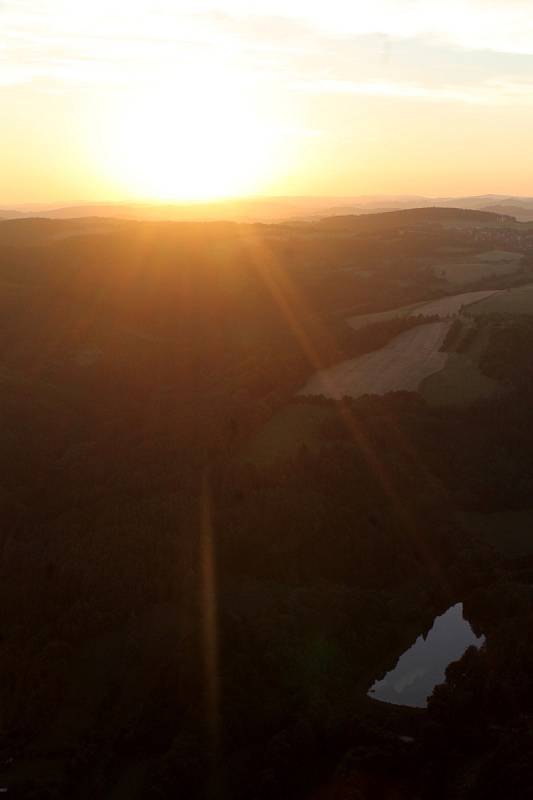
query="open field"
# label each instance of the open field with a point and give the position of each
(459, 382)
(444, 306)
(449, 306)
(498, 256)
(401, 365)
(486, 265)
(510, 301)
(362, 320)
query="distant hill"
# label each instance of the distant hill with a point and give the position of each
(27, 231)
(275, 209)
(522, 213)
(415, 216)
(242, 210)
(10, 214)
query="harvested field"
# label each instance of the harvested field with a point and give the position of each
(444, 307)
(401, 365)
(509, 301)
(449, 306)
(362, 320)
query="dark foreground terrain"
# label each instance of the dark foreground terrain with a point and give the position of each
(191, 606)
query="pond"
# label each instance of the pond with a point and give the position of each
(423, 666)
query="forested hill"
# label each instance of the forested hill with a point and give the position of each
(28, 230)
(417, 216)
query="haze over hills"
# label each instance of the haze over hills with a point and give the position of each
(270, 209)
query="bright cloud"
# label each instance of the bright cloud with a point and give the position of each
(293, 68)
(117, 41)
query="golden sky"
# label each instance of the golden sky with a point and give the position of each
(200, 99)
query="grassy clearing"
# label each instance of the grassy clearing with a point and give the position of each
(444, 306)
(509, 532)
(294, 425)
(362, 320)
(499, 256)
(450, 306)
(509, 301)
(460, 382)
(465, 272)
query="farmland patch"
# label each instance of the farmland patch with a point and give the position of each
(400, 366)
(460, 382)
(444, 307)
(510, 301)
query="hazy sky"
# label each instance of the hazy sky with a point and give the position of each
(113, 99)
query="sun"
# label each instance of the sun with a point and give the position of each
(195, 140)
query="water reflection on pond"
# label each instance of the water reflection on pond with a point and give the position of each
(423, 666)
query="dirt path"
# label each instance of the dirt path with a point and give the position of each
(401, 365)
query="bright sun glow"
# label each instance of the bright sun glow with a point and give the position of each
(193, 141)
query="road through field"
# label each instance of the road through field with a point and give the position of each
(401, 365)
